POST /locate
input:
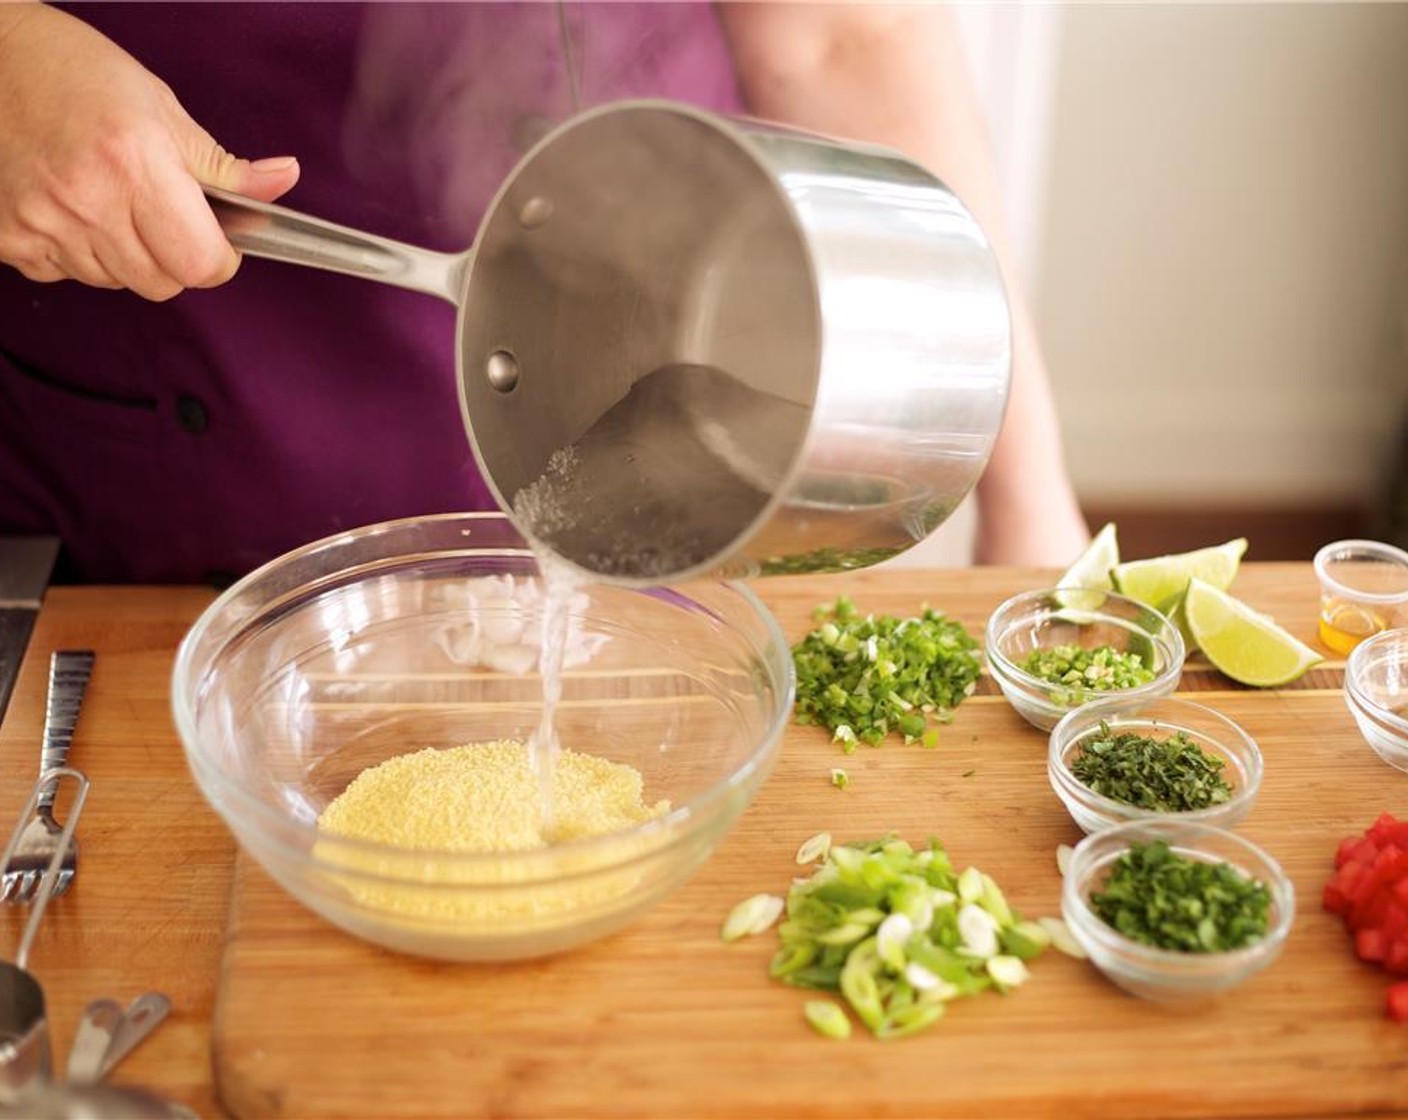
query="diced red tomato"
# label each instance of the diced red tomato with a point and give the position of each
(1333, 899)
(1395, 919)
(1363, 850)
(1348, 878)
(1388, 830)
(1370, 945)
(1398, 1002)
(1369, 890)
(1342, 852)
(1369, 912)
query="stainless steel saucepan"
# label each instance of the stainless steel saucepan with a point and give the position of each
(694, 345)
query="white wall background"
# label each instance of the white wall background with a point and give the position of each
(1221, 248)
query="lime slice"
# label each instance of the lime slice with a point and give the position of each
(1092, 571)
(1172, 609)
(1246, 645)
(1155, 581)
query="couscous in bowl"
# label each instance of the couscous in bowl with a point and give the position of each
(422, 635)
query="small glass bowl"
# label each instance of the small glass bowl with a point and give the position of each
(1210, 731)
(1044, 619)
(1163, 975)
(1376, 691)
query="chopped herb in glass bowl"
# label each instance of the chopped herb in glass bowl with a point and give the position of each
(1121, 759)
(1081, 671)
(1159, 897)
(1175, 912)
(1049, 656)
(1169, 775)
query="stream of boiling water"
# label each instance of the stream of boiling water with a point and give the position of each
(560, 584)
(661, 481)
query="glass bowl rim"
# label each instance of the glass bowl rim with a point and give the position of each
(1168, 633)
(274, 823)
(1356, 663)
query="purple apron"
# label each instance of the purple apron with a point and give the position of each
(195, 439)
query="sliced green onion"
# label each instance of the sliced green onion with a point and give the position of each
(752, 916)
(890, 930)
(911, 1020)
(994, 902)
(815, 848)
(891, 938)
(1062, 938)
(978, 930)
(1025, 940)
(1007, 972)
(827, 1018)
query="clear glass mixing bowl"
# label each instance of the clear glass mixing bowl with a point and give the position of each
(423, 633)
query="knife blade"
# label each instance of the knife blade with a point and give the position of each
(25, 566)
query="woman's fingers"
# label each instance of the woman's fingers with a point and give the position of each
(175, 224)
(120, 250)
(100, 166)
(79, 261)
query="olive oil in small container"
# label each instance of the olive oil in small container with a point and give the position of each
(1363, 590)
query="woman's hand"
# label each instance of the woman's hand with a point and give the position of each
(101, 169)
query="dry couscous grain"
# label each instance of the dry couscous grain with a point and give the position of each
(481, 798)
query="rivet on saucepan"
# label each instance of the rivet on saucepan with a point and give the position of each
(502, 370)
(535, 212)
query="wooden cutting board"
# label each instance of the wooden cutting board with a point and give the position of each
(663, 1020)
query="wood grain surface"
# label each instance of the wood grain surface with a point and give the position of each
(148, 908)
(663, 1020)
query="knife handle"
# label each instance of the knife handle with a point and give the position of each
(69, 670)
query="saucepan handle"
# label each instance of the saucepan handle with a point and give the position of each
(277, 233)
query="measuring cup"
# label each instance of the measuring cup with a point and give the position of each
(107, 1033)
(689, 345)
(98, 1102)
(24, 1025)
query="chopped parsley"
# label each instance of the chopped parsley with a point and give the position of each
(1157, 897)
(1170, 775)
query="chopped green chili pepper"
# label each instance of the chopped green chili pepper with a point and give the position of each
(1157, 897)
(1101, 669)
(1172, 775)
(861, 677)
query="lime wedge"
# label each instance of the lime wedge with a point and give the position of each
(1246, 645)
(1172, 609)
(1090, 571)
(1155, 581)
